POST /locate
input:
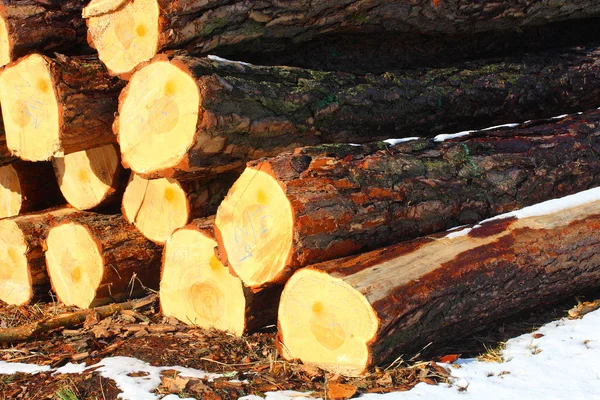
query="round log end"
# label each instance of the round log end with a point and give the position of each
(325, 322)
(86, 178)
(5, 42)
(75, 264)
(10, 192)
(156, 207)
(158, 116)
(196, 288)
(123, 36)
(15, 279)
(30, 109)
(255, 225)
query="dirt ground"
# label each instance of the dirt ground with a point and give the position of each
(251, 365)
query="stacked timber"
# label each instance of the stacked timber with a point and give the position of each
(244, 189)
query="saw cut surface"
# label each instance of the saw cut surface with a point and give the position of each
(157, 207)
(11, 199)
(196, 288)
(15, 282)
(158, 117)
(255, 222)
(96, 8)
(30, 109)
(126, 36)
(75, 264)
(325, 322)
(5, 45)
(87, 177)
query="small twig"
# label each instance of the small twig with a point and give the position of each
(228, 365)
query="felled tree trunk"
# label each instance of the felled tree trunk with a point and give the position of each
(91, 178)
(23, 276)
(6, 156)
(157, 207)
(27, 187)
(197, 289)
(216, 115)
(53, 107)
(348, 314)
(126, 33)
(327, 202)
(28, 26)
(95, 259)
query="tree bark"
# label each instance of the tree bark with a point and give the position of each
(23, 275)
(41, 26)
(92, 178)
(95, 259)
(371, 308)
(241, 25)
(27, 187)
(157, 207)
(53, 107)
(246, 112)
(326, 202)
(199, 290)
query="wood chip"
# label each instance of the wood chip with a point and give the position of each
(341, 391)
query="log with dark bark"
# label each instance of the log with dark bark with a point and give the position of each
(204, 115)
(23, 276)
(345, 315)
(92, 178)
(27, 187)
(157, 207)
(198, 289)
(95, 259)
(28, 26)
(57, 106)
(127, 32)
(326, 202)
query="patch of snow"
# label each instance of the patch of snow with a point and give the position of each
(281, 395)
(448, 136)
(71, 368)
(511, 125)
(402, 140)
(8, 368)
(224, 60)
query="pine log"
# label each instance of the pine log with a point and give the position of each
(27, 187)
(28, 26)
(128, 32)
(53, 107)
(196, 288)
(6, 156)
(157, 207)
(94, 259)
(205, 115)
(348, 314)
(91, 178)
(327, 202)
(23, 276)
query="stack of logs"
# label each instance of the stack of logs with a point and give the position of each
(236, 189)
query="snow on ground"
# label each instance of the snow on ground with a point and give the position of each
(558, 361)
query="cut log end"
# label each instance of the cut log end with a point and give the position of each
(325, 322)
(86, 178)
(30, 109)
(10, 192)
(157, 207)
(123, 36)
(5, 42)
(255, 225)
(15, 281)
(159, 112)
(196, 288)
(96, 8)
(75, 264)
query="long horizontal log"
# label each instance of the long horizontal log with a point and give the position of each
(133, 31)
(157, 207)
(56, 106)
(321, 203)
(23, 275)
(346, 315)
(204, 115)
(198, 289)
(27, 187)
(28, 26)
(94, 259)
